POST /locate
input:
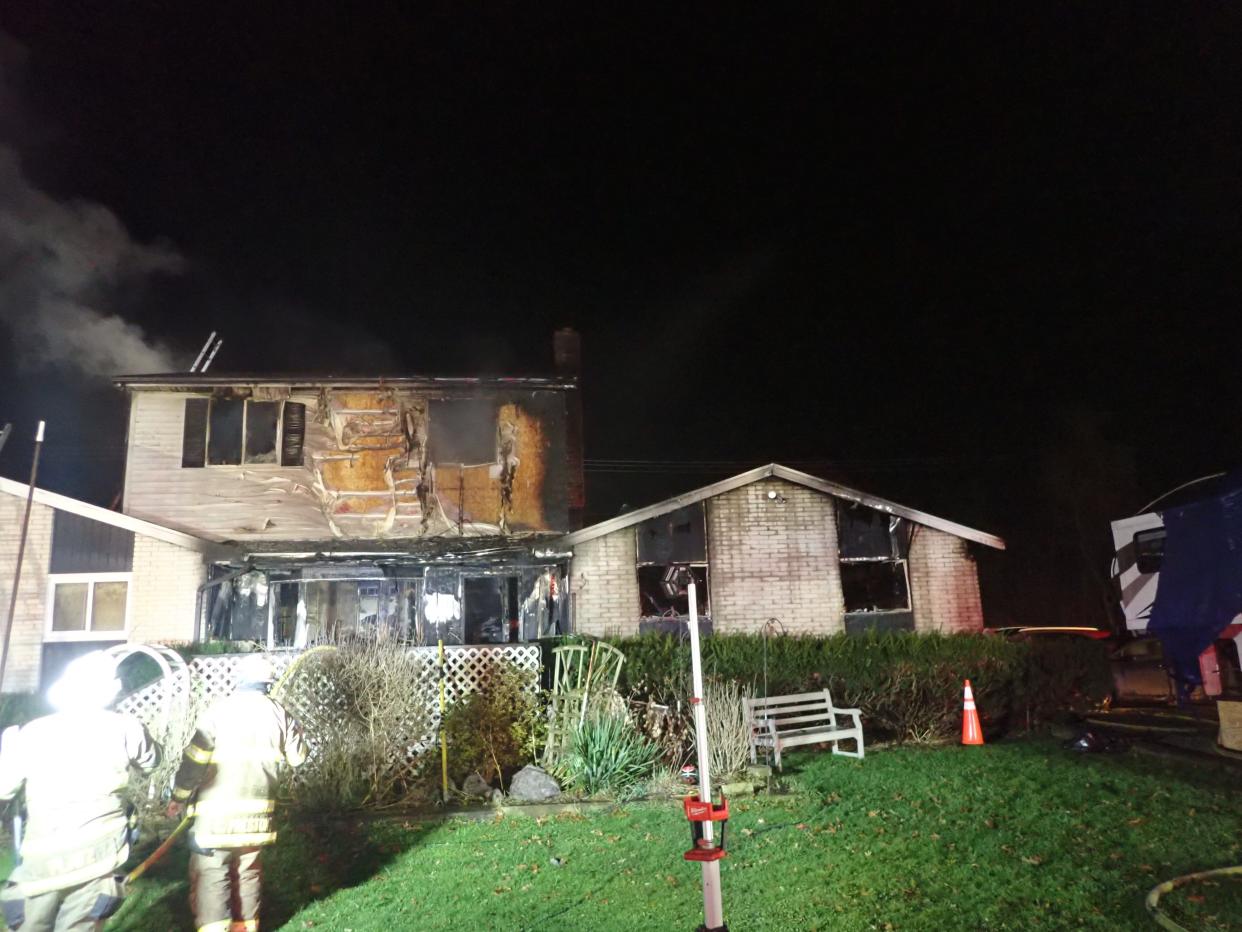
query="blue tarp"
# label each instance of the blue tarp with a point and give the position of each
(1200, 588)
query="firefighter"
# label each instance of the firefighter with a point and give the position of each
(73, 765)
(229, 772)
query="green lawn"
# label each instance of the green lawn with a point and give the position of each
(1018, 835)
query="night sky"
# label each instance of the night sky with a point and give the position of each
(902, 249)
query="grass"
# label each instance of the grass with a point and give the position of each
(1018, 835)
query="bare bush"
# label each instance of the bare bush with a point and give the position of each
(728, 732)
(364, 707)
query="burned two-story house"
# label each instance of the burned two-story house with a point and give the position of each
(418, 508)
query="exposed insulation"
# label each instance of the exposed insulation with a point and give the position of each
(366, 470)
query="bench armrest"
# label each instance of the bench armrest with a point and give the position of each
(848, 711)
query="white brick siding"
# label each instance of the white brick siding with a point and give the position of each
(605, 584)
(164, 590)
(769, 558)
(945, 583)
(26, 640)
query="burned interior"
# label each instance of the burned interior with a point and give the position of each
(873, 549)
(288, 600)
(679, 537)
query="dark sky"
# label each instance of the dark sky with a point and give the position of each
(889, 245)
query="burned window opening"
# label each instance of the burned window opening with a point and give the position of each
(234, 431)
(656, 603)
(224, 432)
(301, 612)
(870, 534)
(262, 418)
(875, 586)
(462, 431)
(679, 537)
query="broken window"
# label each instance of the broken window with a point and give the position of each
(872, 547)
(462, 431)
(261, 421)
(869, 534)
(224, 432)
(875, 586)
(230, 432)
(679, 537)
(656, 601)
(484, 611)
(284, 609)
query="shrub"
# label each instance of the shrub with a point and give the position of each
(669, 727)
(728, 731)
(21, 708)
(363, 706)
(909, 686)
(496, 730)
(608, 755)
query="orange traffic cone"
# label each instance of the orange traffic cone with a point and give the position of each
(972, 733)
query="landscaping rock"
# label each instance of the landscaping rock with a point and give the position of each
(532, 784)
(743, 788)
(498, 798)
(474, 785)
(759, 772)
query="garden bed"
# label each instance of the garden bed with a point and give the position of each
(1017, 835)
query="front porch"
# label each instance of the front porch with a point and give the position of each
(485, 593)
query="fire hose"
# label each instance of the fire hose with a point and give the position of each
(1153, 898)
(155, 856)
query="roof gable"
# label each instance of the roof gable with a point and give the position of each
(775, 470)
(104, 516)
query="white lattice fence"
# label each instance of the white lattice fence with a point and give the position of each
(466, 670)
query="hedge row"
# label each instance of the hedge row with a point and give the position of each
(909, 686)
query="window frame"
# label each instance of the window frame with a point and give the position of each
(246, 402)
(88, 633)
(905, 569)
(705, 564)
(1141, 559)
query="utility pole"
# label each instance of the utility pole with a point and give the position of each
(21, 552)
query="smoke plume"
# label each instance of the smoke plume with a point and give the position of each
(61, 265)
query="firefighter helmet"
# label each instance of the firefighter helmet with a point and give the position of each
(89, 682)
(255, 670)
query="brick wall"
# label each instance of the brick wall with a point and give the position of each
(774, 559)
(944, 582)
(26, 640)
(605, 585)
(769, 558)
(164, 590)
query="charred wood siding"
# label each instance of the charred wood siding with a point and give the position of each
(356, 464)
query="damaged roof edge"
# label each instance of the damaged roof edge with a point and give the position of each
(181, 380)
(774, 470)
(114, 518)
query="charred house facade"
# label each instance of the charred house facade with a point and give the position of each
(413, 508)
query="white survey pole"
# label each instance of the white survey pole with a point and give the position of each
(712, 909)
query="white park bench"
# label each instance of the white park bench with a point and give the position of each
(780, 722)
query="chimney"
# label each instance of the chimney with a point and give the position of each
(567, 352)
(567, 356)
